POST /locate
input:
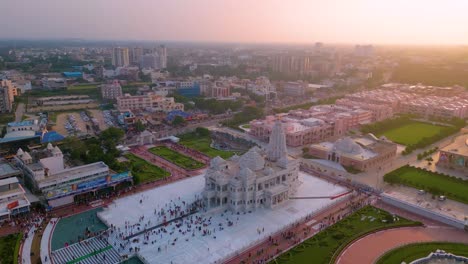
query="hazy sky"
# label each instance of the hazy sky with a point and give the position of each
(339, 21)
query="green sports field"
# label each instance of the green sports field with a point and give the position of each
(411, 134)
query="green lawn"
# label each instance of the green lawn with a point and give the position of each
(435, 183)
(411, 134)
(177, 158)
(83, 87)
(419, 250)
(144, 171)
(6, 118)
(9, 248)
(202, 144)
(327, 244)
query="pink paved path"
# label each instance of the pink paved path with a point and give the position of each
(369, 248)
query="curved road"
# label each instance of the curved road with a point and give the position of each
(369, 248)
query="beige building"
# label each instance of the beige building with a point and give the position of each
(7, 94)
(111, 90)
(120, 57)
(361, 153)
(149, 102)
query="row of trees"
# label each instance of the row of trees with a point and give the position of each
(249, 113)
(395, 177)
(427, 153)
(102, 148)
(382, 126)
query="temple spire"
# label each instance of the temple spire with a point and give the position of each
(276, 148)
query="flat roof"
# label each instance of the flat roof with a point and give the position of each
(73, 173)
(22, 123)
(459, 146)
(8, 181)
(7, 169)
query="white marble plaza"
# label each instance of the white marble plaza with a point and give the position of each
(223, 241)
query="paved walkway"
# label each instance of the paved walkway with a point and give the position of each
(286, 239)
(371, 247)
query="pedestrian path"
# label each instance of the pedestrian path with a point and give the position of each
(95, 250)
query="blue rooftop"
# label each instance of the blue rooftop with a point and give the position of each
(73, 74)
(51, 136)
(22, 123)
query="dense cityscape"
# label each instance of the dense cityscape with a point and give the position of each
(152, 151)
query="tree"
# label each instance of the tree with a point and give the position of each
(178, 120)
(202, 131)
(112, 134)
(139, 126)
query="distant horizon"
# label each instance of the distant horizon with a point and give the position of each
(377, 22)
(103, 40)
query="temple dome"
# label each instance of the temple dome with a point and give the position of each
(348, 146)
(19, 152)
(246, 173)
(216, 162)
(252, 160)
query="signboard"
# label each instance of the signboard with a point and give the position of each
(12, 205)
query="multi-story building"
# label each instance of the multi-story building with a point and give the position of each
(45, 172)
(295, 89)
(7, 95)
(291, 64)
(162, 56)
(437, 106)
(361, 153)
(455, 155)
(7, 170)
(255, 179)
(13, 199)
(111, 90)
(316, 124)
(220, 91)
(379, 112)
(188, 88)
(150, 102)
(136, 54)
(120, 57)
(150, 61)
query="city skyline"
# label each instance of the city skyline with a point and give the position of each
(360, 21)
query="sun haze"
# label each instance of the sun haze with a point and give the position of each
(295, 21)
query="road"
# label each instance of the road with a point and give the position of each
(19, 112)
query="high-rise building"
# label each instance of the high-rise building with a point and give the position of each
(162, 56)
(291, 64)
(120, 57)
(150, 61)
(136, 54)
(7, 94)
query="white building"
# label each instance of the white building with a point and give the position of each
(120, 57)
(256, 179)
(12, 199)
(45, 172)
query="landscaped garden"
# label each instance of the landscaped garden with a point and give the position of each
(437, 184)
(200, 140)
(326, 246)
(144, 171)
(9, 248)
(177, 158)
(420, 250)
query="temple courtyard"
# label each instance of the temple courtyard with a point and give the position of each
(161, 225)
